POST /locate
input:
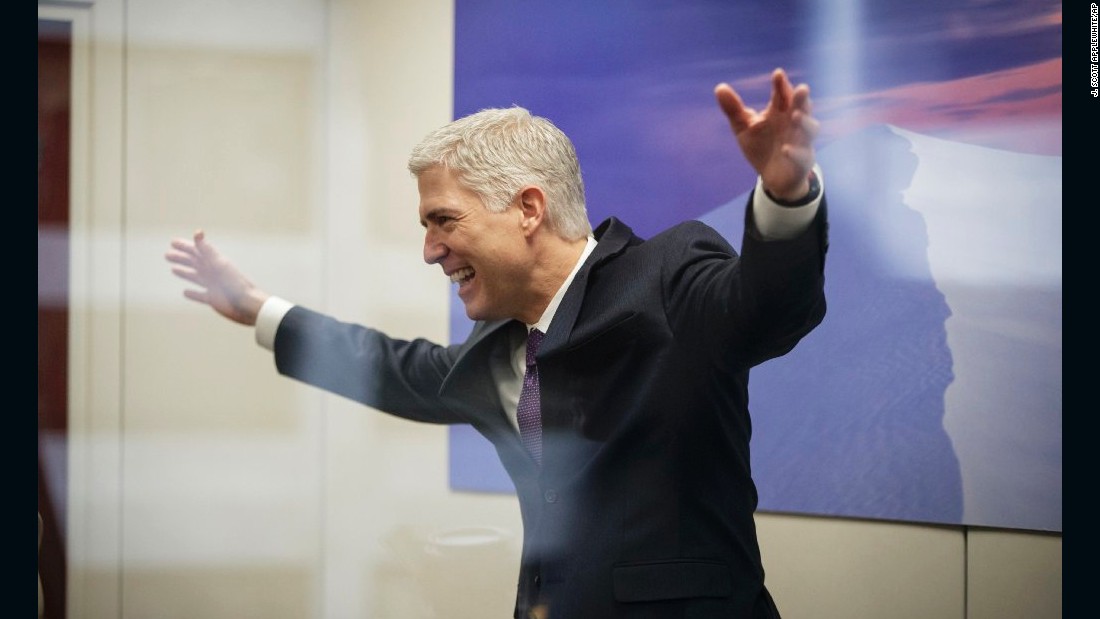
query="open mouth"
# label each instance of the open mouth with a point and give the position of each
(463, 275)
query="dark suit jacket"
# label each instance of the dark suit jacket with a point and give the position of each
(644, 504)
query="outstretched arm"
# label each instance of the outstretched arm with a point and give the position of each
(223, 287)
(777, 142)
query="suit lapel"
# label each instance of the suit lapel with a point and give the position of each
(470, 379)
(471, 365)
(613, 237)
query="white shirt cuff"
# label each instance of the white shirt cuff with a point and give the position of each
(267, 321)
(776, 222)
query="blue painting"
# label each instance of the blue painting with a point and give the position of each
(932, 392)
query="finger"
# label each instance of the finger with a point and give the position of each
(180, 258)
(195, 295)
(184, 246)
(781, 91)
(733, 107)
(205, 249)
(808, 125)
(803, 124)
(190, 276)
(800, 99)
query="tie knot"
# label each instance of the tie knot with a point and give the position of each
(534, 338)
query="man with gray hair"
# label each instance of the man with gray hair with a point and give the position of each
(610, 372)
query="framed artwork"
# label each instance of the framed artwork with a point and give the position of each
(932, 392)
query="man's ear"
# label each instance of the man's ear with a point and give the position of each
(532, 209)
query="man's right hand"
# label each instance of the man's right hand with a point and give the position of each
(224, 288)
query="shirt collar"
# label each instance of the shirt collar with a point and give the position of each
(548, 315)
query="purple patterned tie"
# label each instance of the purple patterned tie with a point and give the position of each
(527, 412)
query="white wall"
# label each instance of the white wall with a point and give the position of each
(207, 486)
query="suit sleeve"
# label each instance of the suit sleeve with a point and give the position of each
(396, 376)
(751, 307)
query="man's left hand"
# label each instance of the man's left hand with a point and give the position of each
(777, 142)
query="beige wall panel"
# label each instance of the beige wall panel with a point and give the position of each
(1014, 575)
(408, 67)
(221, 457)
(245, 592)
(193, 372)
(821, 568)
(221, 137)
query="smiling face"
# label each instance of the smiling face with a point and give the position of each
(486, 254)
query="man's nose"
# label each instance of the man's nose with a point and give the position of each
(434, 251)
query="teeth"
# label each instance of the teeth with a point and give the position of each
(461, 274)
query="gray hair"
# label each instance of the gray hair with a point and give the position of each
(495, 152)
